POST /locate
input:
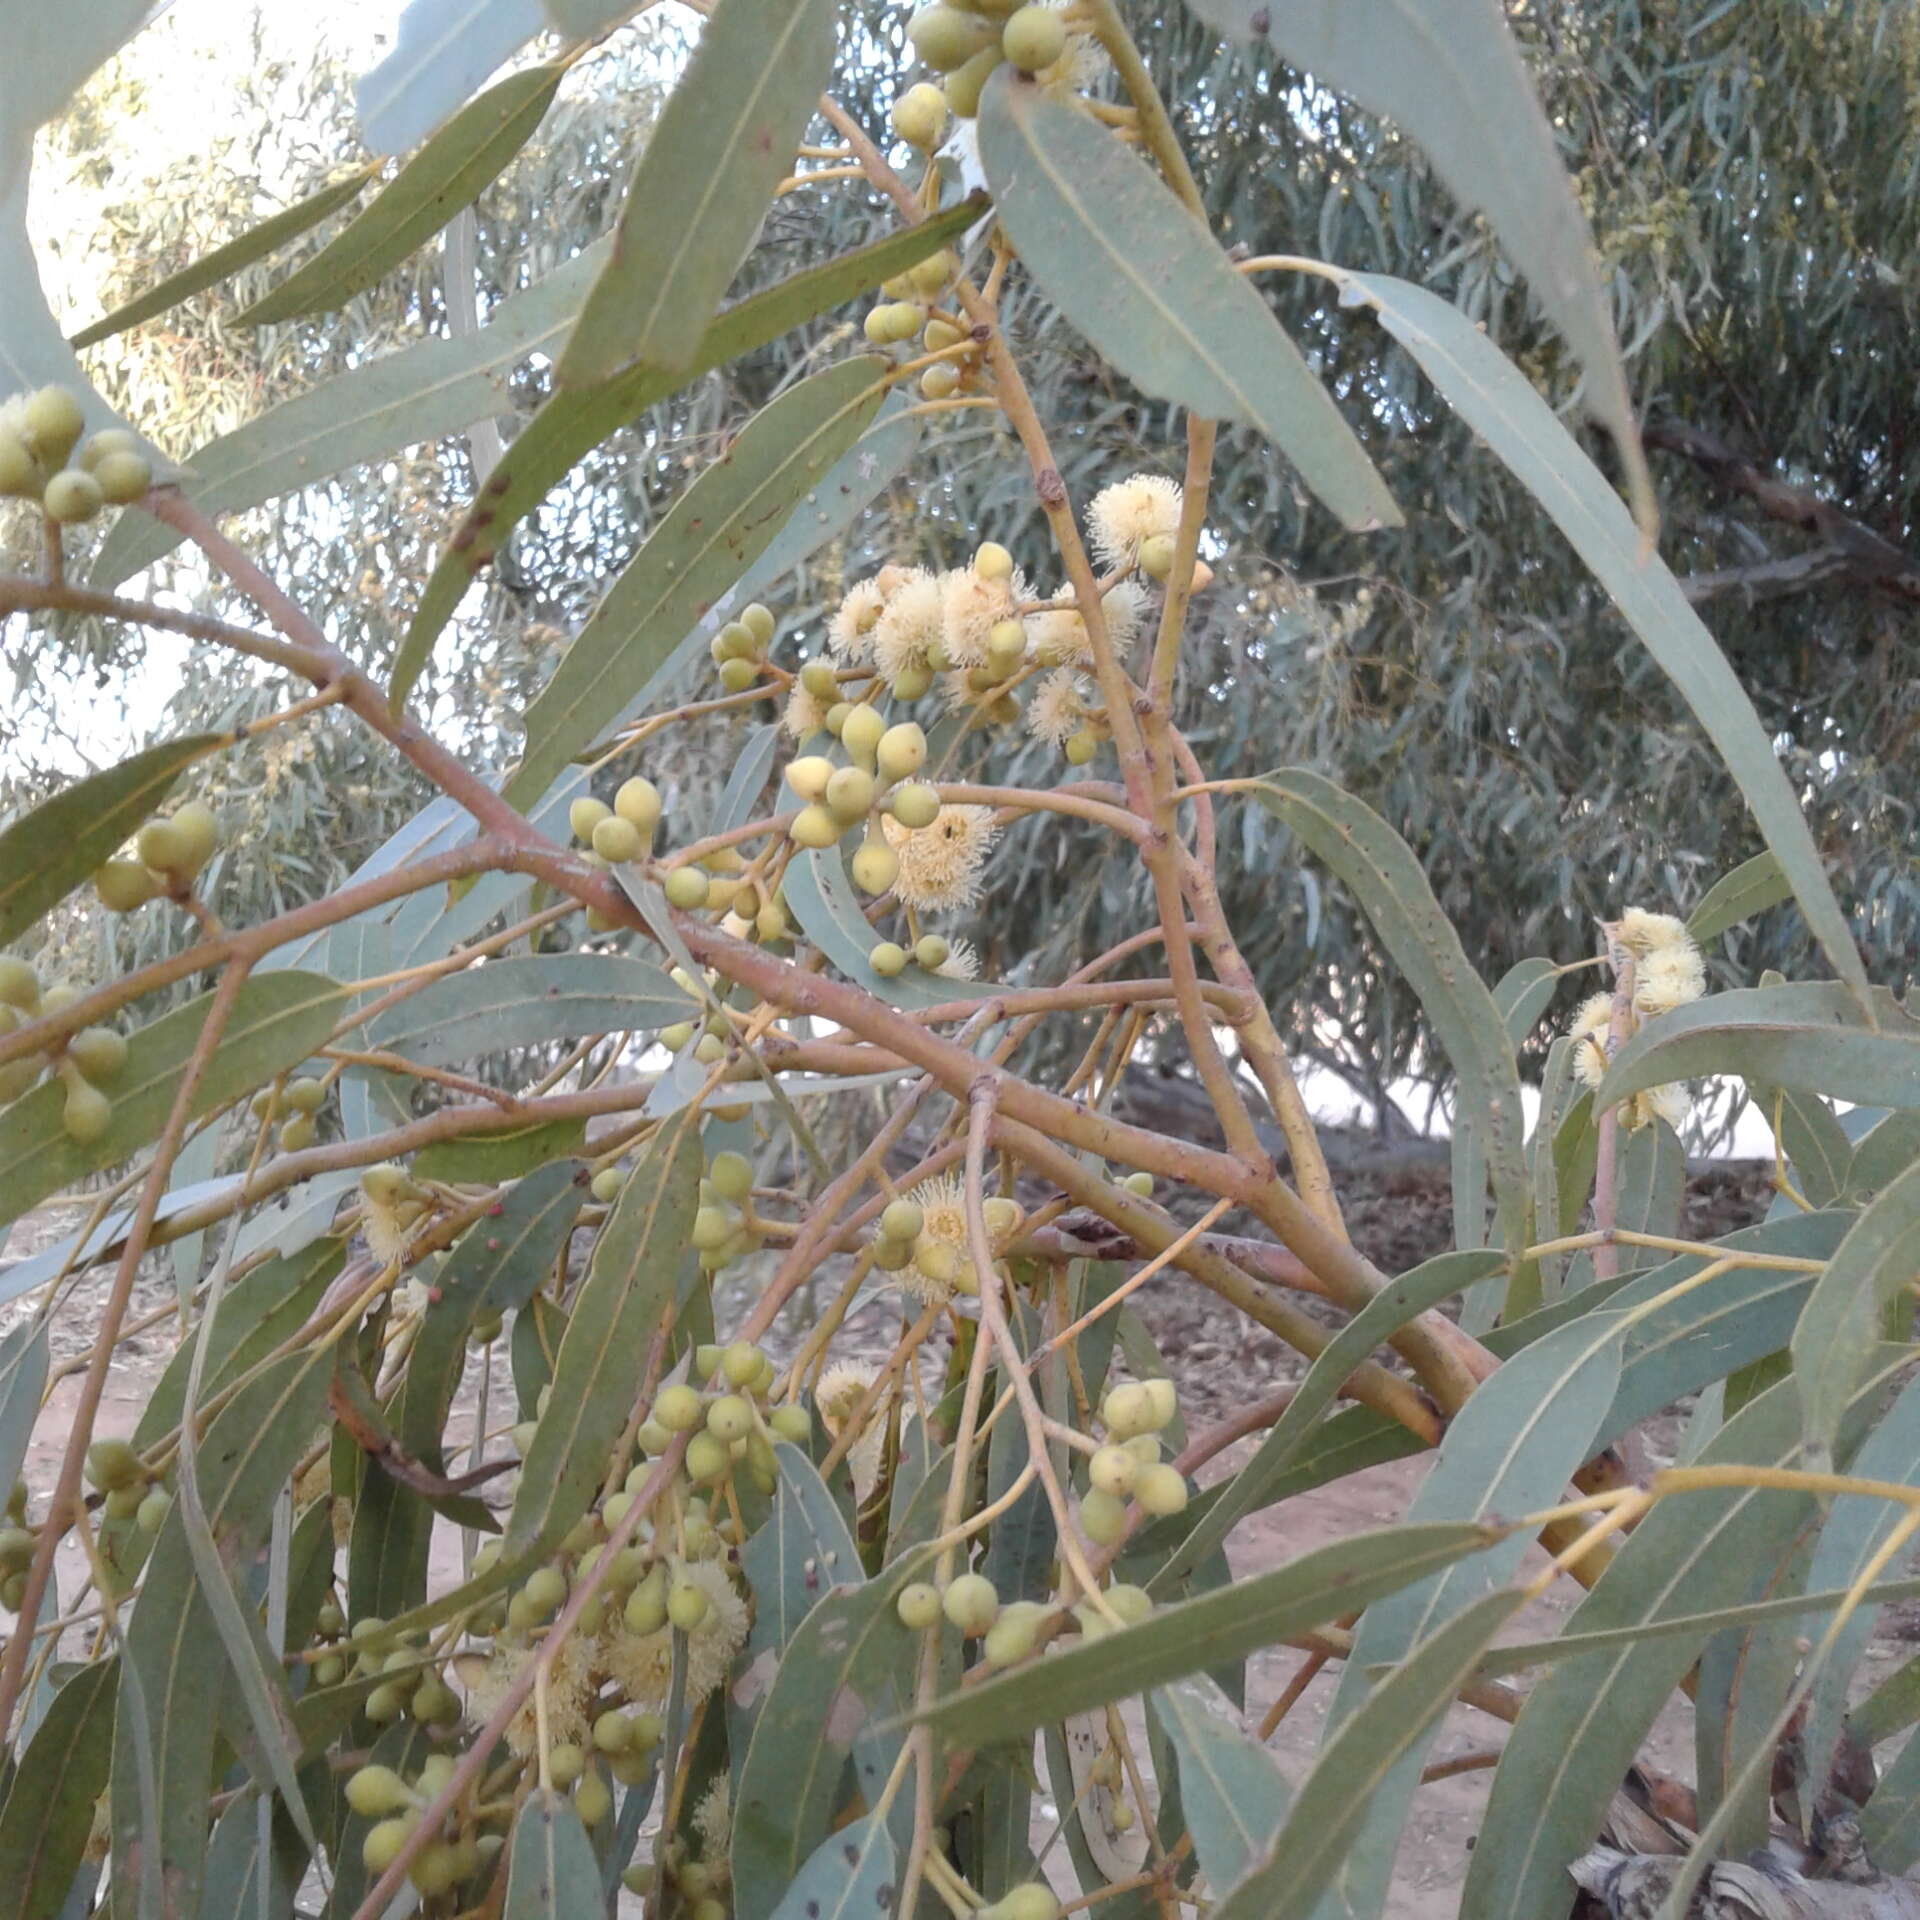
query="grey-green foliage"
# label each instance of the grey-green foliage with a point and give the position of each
(1462, 675)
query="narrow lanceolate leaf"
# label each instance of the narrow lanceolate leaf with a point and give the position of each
(46, 853)
(821, 897)
(603, 1355)
(1752, 887)
(552, 1874)
(1885, 1153)
(443, 50)
(849, 1876)
(1857, 1525)
(48, 1811)
(1231, 1792)
(367, 413)
(1511, 1449)
(1143, 279)
(1318, 1837)
(1841, 1323)
(1811, 1037)
(725, 139)
(717, 528)
(211, 268)
(1452, 78)
(496, 1267)
(1496, 400)
(465, 156)
(1197, 1635)
(1383, 1316)
(1584, 1720)
(528, 1002)
(848, 1669)
(277, 1021)
(1381, 872)
(245, 1457)
(23, 1378)
(570, 424)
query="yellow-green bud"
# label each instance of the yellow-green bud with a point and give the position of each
(741, 1362)
(888, 959)
(946, 38)
(1103, 1516)
(607, 1184)
(875, 866)
(50, 423)
(585, 814)
(916, 805)
(99, 1053)
(87, 1113)
(920, 116)
(638, 803)
(971, 1603)
(1160, 1490)
(20, 474)
(792, 1423)
(1128, 1410)
(1113, 1470)
(616, 840)
(936, 383)
(861, 734)
(1081, 747)
(850, 792)
(966, 84)
(1034, 37)
(758, 621)
(1013, 1636)
(687, 1605)
(707, 1457)
(1165, 1399)
(1156, 555)
(123, 477)
(1140, 1183)
(738, 675)
(807, 776)
(901, 751)
(124, 885)
(813, 826)
(381, 1848)
(687, 888)
(71, 497)
(931, 951)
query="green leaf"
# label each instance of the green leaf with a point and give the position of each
(1232, 1793)
(1319, 1837)
(1381, 872)
(367, 413)
(1495, 399)
(495, 1267)
(233, 1865)
(1403, 1300)
(1811, 1037)
(1143, 279)
(48, 1811)
(1884, 1153)
(570, 424)
(1752, 887)
(553, 1874)
(1809, 1138)
(448, 173)
(1584, 1720)
(256, 1315)
(245, 1458)
(1559, 1095)
(1453, 79)
(603, 1354)
(1649, 1189)
(1856, 1527)
(1511, 1449)
(726, 138)
(23, 1379)
(211, 268)
(1196, 1635)
(443, 50)
(825, 907)
(718, 527)
(1840, 1325)
(503, 1157)
(804, 1548)
(1523, 994)
(529, 1002)
(47, 852)
(849, 1668)
(278, 1019)
(848, 1876)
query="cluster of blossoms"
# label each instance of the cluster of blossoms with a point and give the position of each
(1667, 973)
(44, 458)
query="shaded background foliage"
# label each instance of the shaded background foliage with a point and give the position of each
(1751, 173)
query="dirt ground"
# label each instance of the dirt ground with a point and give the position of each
(1399, 1215)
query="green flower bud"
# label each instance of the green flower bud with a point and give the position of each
(920, 116)
(1103, 1517)
(888, 959)
(813, 826)
(971, 1603)
(965, 85)
(918, 1606)
(1160, 1490)
(1034, 37)
(677, 1407)
(124, 885)
(617, 841)
(99, 1053)
(687, 888)
(730, 1418)
(849, 794)
(916, 806)
(638, 803)
(381, 1848)
(123, 477)
(72, 497)
(584, 815)
(51, 423)
(946, 38)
